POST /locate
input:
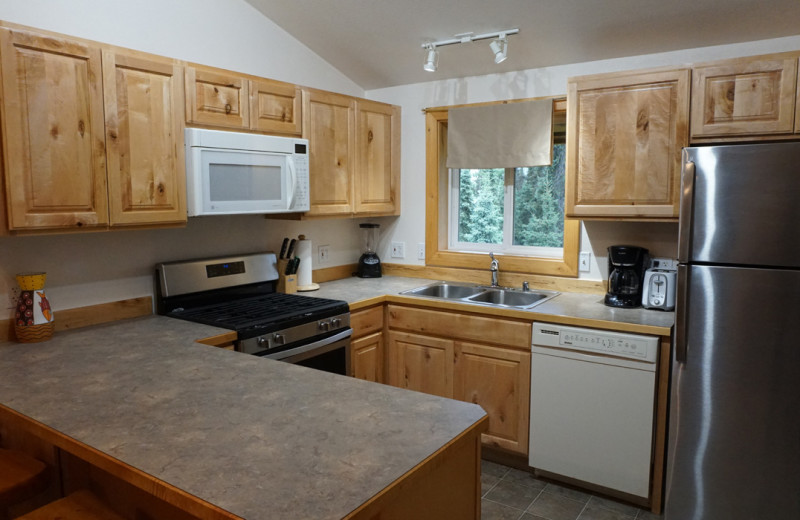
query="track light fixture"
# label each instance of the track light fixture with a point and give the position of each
(498, 46)
(431, 58)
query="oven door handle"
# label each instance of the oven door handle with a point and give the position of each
(311, 346)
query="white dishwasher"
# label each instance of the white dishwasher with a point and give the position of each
(592, 406)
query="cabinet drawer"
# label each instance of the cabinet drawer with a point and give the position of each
(509, 333)
(367, 321)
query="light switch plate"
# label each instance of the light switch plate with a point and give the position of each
(324, 254)
(584, 260)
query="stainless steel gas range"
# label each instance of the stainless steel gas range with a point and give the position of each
(238, 293)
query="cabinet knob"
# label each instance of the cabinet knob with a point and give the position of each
(228, 108)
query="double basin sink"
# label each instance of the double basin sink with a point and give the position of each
(483, 295)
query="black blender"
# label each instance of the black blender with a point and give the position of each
(369, 265)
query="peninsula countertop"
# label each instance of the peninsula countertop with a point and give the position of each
(256, 437)
(569, 308)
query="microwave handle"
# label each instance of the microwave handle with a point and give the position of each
(293, 183)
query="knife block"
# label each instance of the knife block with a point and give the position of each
(287, 283)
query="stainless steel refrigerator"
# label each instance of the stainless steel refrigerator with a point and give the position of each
(734, 427)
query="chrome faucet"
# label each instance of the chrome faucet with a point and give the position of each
(493, 268)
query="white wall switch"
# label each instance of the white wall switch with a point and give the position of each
(421, 251)
(583, 262)
(398, 249)
(324, 254)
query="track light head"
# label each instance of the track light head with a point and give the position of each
(500, 48)
(431, 59)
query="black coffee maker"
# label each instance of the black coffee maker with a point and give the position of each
(626, 267)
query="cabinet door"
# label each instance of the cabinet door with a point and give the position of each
(497, 379)
(624, 140)
(217, 98)
(53, 137)
(748, 96)
(275, 107)
(366, 357)
(144, 136)
(377, 174)
(329, 126)
(421, 363)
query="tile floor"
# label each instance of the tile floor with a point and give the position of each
(512, 494)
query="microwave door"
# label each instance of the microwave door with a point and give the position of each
(243, 182)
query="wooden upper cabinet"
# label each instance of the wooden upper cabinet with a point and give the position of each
(275, 107)
(377, 174)
(217, 98)
(53, 138)
(144, 140)
(744, 97)
(329, 126)
(625, 133)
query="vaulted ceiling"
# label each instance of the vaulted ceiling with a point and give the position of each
(377, 43)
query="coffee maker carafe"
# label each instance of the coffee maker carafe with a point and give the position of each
(626, 267)
(369, 265)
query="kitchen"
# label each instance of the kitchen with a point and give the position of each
(93, 268)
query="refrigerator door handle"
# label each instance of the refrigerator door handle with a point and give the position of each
(687, 198)
(681, 313)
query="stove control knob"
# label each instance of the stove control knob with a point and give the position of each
(279, 339)
(262, 342)
(336, 323)
(324, 326)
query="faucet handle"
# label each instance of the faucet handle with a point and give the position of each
(525, 286)
(491, 255)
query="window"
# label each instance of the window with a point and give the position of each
(511, 210)
(518, 213)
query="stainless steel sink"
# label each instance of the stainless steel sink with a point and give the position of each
(482, 295)
(509, 298)
(445, 290)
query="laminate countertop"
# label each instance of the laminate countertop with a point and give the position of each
(258, 438)
(568, 308)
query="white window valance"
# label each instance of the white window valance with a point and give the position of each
(505, 135)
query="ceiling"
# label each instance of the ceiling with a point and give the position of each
(377, 43)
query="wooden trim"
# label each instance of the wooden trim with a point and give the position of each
(437, 253)
(78, 317)
(559, 104)
(337, 272)
(660, 425)
(224, 340)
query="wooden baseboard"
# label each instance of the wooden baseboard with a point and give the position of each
(333, 273)
(78, 317)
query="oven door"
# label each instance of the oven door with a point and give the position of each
(331, 354)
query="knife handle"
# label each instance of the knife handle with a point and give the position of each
(290, 252)
(295, 264)
(283, 248)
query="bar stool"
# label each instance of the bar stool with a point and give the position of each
(80, 505)
(21, 478)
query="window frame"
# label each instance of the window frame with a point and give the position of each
(437, 185)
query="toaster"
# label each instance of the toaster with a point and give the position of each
(659, 285)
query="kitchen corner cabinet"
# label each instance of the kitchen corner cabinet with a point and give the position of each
(473, 358)
(144, 140)
(367, 350)
(53, 136)
(625, 133)
(91, 138)
(745, 97)
(216, 97)
(354, 155)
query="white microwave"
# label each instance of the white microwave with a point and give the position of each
(230, 173)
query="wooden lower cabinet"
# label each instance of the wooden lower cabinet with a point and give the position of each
(498, 379)
(366, 357)
(421, 363)
(449, 354)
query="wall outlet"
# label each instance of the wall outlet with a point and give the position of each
(584, 261)
(324, 254)
(421, 251)
(398, 249)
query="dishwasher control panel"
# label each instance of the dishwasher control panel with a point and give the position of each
(632, 346)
